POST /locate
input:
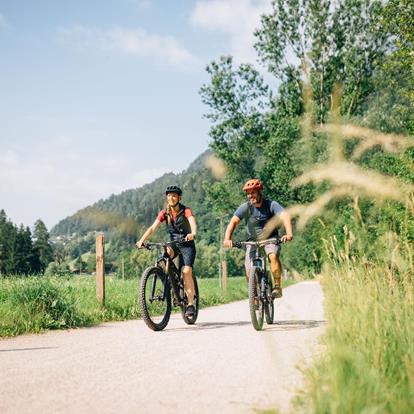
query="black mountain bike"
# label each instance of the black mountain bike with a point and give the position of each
(163, 285)
(260, 284)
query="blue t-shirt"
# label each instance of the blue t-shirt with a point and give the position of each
(256, 218)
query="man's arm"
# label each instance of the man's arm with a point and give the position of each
(150, 230)
(287, 224)
(227, 242)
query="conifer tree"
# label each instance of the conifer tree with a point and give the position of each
(42, 245)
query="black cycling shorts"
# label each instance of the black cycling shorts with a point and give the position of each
(188, 252)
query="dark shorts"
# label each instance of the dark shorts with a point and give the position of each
(188, 252)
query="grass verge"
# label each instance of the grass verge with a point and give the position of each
(368, 366)
(34, 304)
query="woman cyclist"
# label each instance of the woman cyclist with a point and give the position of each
(181, 225)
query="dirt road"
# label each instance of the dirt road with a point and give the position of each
(221, 364)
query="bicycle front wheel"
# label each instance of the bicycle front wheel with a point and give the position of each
(269, 305)
(255, 300)
(155, 298)
(270, 312)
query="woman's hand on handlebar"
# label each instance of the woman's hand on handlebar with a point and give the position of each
(189, 237)
(140, 244)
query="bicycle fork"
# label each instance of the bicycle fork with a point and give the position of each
(174, 279)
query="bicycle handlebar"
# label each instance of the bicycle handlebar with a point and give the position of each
(258, 243)
(150, 245)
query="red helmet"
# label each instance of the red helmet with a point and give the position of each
(254, 184)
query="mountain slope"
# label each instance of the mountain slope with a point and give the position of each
(127, 214)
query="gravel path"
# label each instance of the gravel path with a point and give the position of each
(221, 364)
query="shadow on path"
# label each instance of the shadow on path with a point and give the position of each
(276, 326)
(294, 325)
(28, 349)
(208, 325)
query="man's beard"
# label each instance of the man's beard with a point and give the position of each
(259, 199)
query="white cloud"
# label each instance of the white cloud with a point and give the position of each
(54, 181)
(134, 42)
(237, 18)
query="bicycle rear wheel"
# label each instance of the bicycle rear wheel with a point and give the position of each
(155, 298)
(191, 320)
(255, 300)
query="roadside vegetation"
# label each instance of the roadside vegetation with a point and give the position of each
(368, 364)
(35, 304)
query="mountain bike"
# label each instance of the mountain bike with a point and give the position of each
(162, 286)
(260, 284)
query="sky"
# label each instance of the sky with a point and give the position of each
(101, 96)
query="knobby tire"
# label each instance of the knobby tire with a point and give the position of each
(156, 313)
(255, 302)
(270, 312)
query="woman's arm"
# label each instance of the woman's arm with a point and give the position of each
(193, 227)
(150, 230)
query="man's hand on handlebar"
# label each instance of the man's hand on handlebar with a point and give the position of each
(228, 243)
(286, 237)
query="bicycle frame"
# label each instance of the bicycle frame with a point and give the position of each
(161, 287)
(168, 267)
(259, 260)
(260, 284)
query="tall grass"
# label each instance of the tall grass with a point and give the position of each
(368, 366)
(35, 304)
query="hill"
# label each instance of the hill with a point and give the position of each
(122, 217)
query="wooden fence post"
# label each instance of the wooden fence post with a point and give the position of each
(100, 268)
(224, 274)
(223, 260)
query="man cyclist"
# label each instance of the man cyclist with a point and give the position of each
(180, 224)
(258, 212)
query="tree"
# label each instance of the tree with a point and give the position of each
(25, 259)
(42, 245)
(330, 42)
(391, 106)
(8, 234)
(311, 47)
(237, 98)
